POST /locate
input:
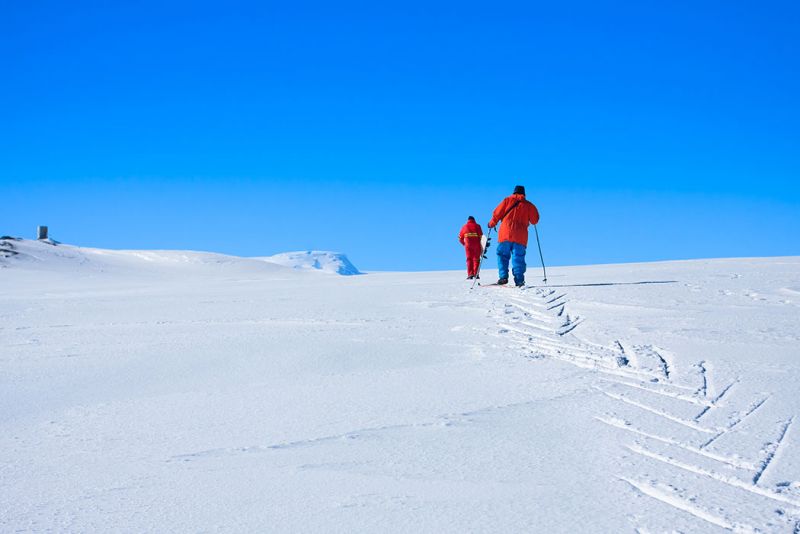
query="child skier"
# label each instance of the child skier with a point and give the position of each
(470, 237)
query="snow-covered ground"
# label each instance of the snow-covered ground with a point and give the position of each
(180, 391)
(331, 262)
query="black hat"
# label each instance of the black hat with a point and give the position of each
(519, 190)
(470, 218)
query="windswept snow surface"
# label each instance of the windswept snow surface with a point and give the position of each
(145, 392)
(332, 262)
(68, 262)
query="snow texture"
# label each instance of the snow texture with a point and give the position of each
(330, 262)
(184, 391)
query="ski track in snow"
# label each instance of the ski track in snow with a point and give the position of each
(444, 420)
(539, 320)
(668, 495)
(772, 449)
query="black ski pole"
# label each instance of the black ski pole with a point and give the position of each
(538, 244)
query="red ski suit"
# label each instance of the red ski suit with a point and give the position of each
(470, 237)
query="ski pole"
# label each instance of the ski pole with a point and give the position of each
(483, 254)
(538, 244)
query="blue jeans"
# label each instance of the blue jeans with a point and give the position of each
(508, 250)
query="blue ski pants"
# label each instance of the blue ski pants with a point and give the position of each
(508, 250)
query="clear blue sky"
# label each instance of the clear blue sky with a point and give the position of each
(642, 131)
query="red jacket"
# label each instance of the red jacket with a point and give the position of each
(515, 222)
(470, 234)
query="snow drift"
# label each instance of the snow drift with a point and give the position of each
(331, 262)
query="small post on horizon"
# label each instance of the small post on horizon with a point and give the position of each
(41, 232)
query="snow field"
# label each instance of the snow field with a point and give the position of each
(152, 391)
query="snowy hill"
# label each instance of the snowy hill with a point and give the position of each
(175, 391)
(331, 262)
(47, 256)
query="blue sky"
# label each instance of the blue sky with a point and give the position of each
(642, 132)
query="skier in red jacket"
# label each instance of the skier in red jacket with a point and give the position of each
(516, 213)
(470, 237)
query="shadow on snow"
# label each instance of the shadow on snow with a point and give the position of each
(600, 284)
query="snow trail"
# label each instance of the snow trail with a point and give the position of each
(652, 380)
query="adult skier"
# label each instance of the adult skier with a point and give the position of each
(470, 237)
(516, 213)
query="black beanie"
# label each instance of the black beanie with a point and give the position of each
(519, 190)
(470, 218)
